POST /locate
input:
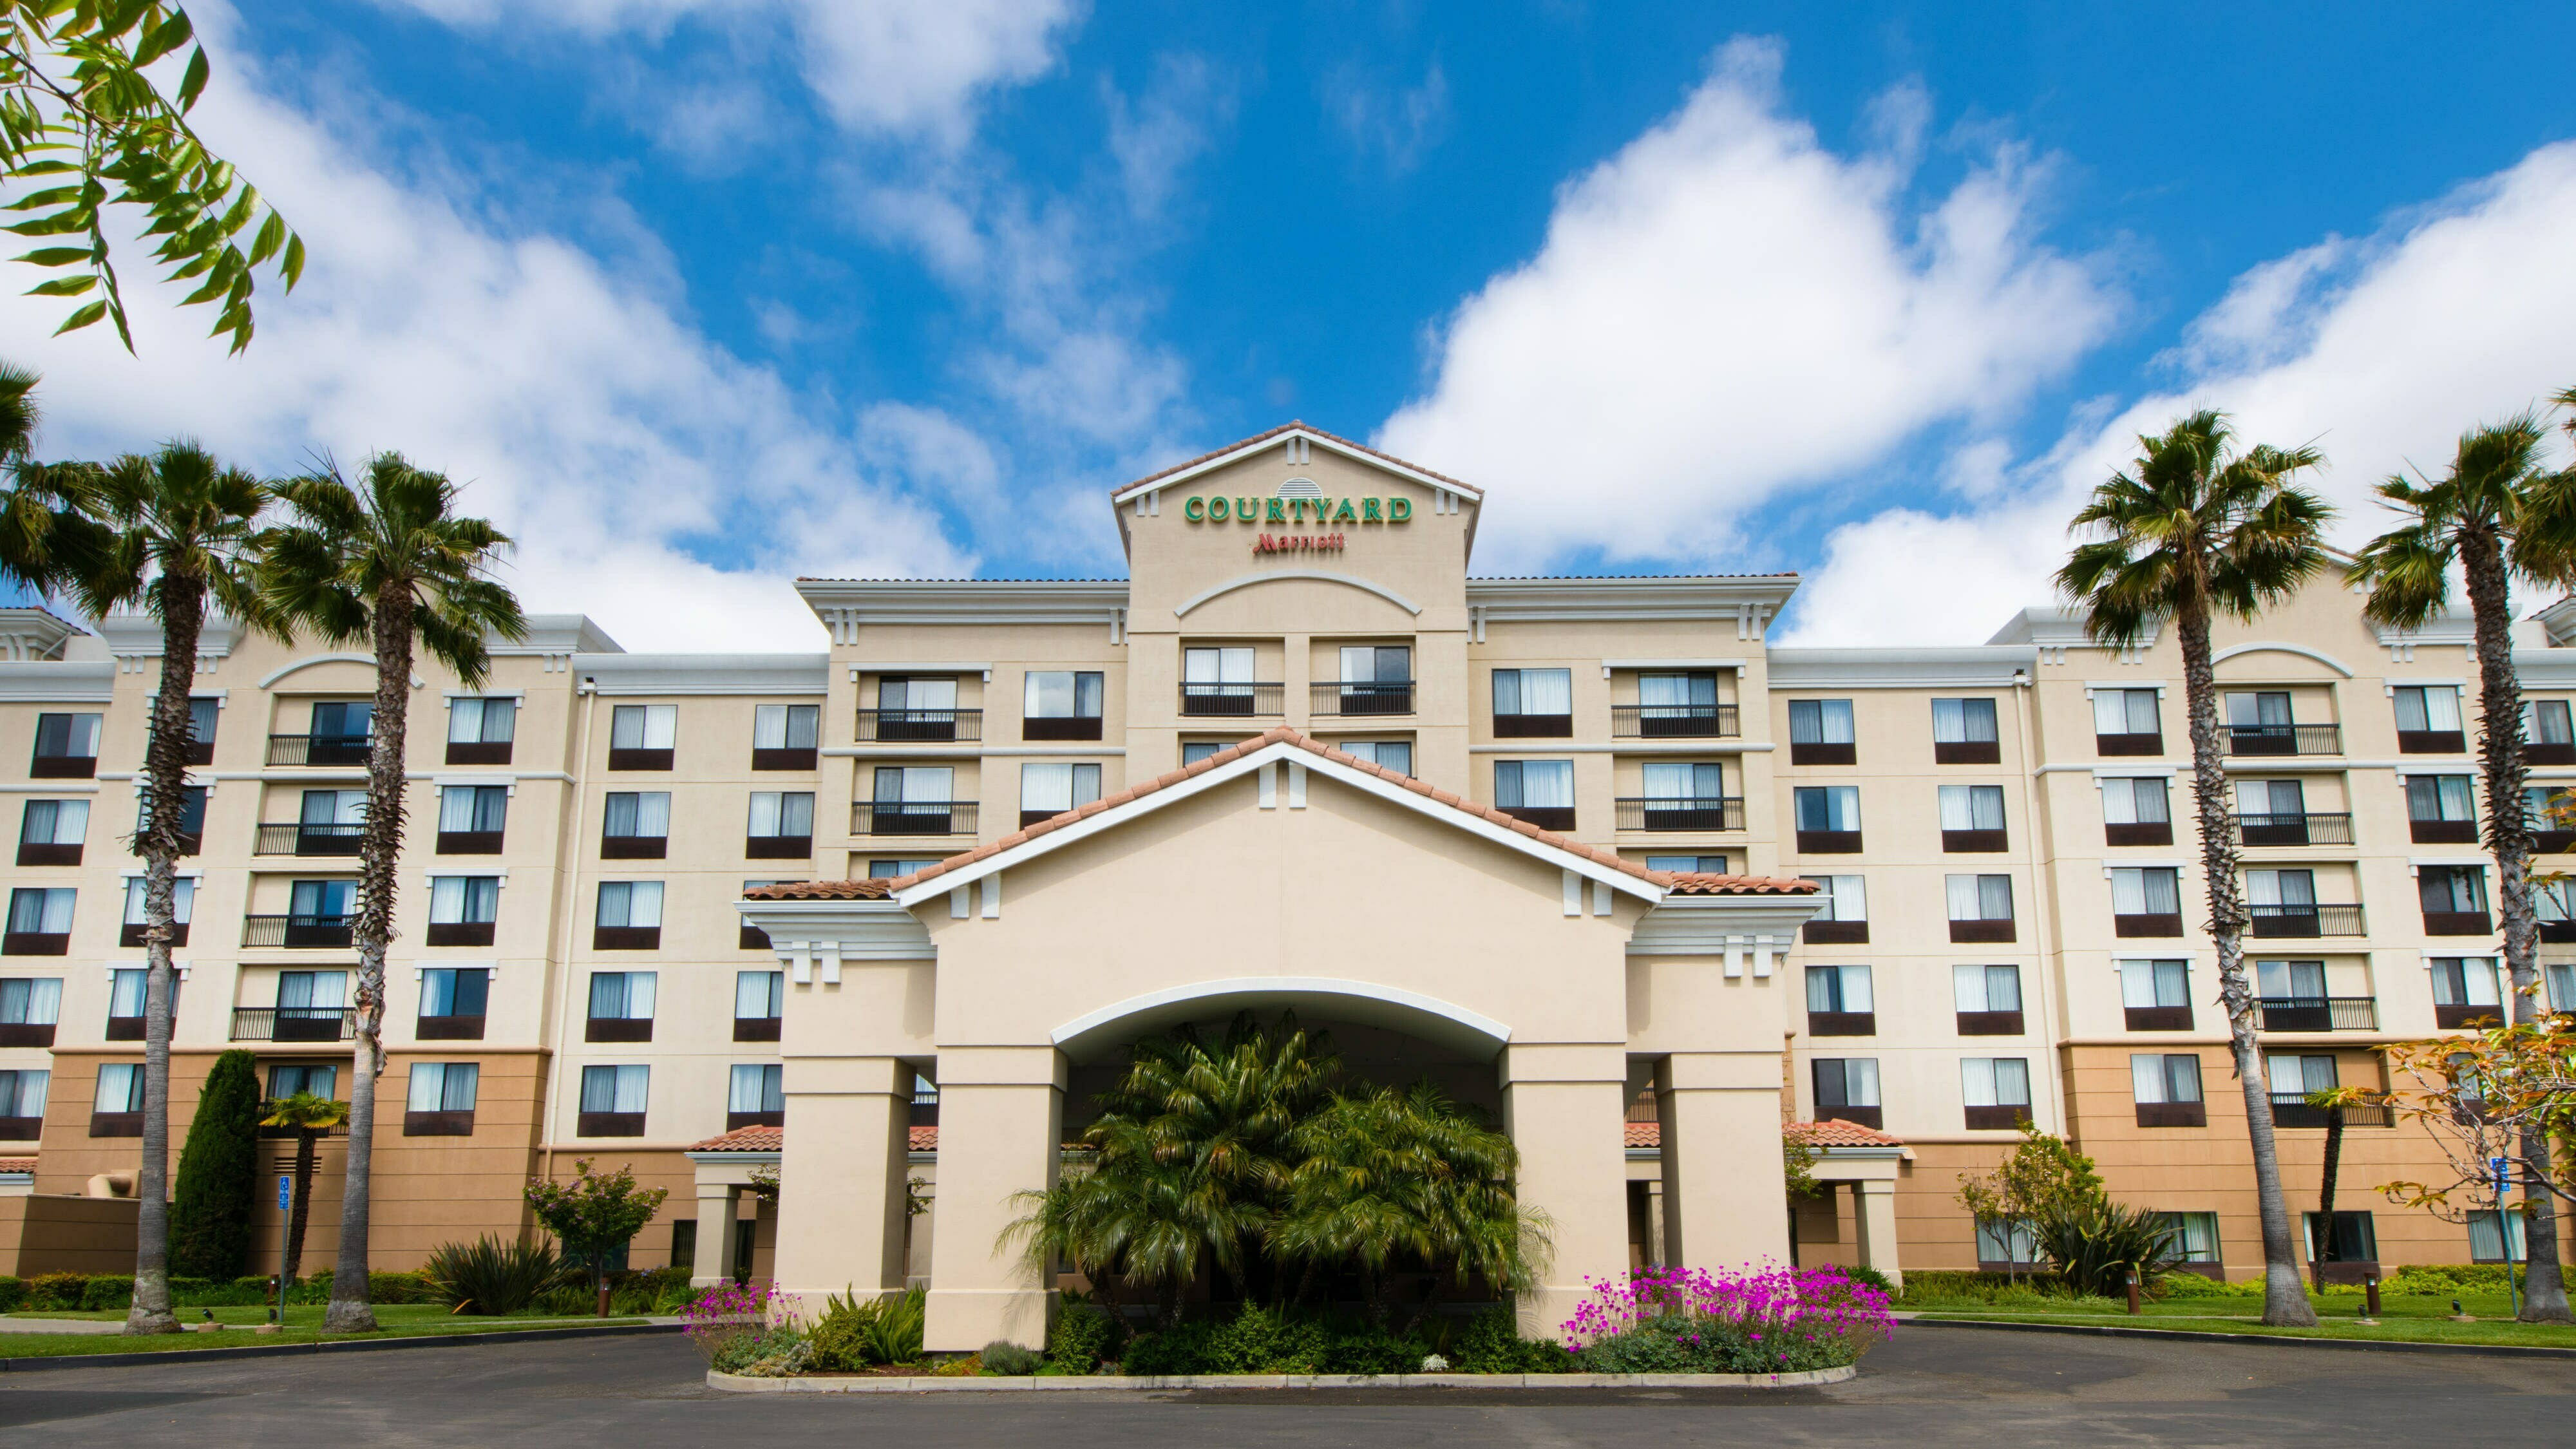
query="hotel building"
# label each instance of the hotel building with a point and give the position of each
(1589, 852)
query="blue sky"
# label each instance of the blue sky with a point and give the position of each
(702, 295)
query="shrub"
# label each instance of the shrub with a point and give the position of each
(1181, 1349)
(648, 1290)
(895, 1335)
(1770, 1320)
(729, 1314)
(776, 1352)
(2192, 1285)
(1084, 1335)
(1368, 1351)
(2444, 1279)
(1870, 1277)
(13, 1293)
(1491, 1343)
(1941, 1285)
(210, 1203)
(107, 1291)
(2095, 1245)
(489, 1277)
(1008, 1360)
(55, 1291)
(840, 1336)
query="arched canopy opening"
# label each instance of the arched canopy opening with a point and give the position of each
(1098, 1035)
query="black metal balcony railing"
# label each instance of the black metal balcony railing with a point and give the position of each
(2309, 829)
(297, 930)
(2432, 742)
(1533, 726)
(2320, 1013)
(913, 817)
(63, 767)
(1705, 812)
(2458, 923)
(294, 838)
(1674, 721)
(1234, 699)
(2442, 832)
(2306, 921)
(1361, 697)
(293, 1023)
(2284, 739)
(1060, 727)
(335, 750)
(885, 726)
(2149, 742)
(2292, 1109)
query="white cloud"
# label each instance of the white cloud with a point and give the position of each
(1724, 310)
(883, 66)
(1169, 125)
(2382, 352)
(1398, 126)
(617, 443)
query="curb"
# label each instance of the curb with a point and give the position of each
(41, 1364)
(1056, 1383)
(2183, 1335)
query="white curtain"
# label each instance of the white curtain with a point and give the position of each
(756, 993)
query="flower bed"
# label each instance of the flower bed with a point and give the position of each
(1768, 1319)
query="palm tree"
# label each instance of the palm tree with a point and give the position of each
(2496, 512)
(389, 561)
(2198, 530)
(173, 532)
(308, 1117)
(42, 501)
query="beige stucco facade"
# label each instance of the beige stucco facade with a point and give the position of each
(1641, 1044)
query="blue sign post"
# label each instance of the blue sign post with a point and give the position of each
(285, 1200)
(2502, 1169)
(286, 1191)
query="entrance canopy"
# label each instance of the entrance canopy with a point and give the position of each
(1096, 1034)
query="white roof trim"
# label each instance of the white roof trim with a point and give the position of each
(1318, 575)
(1334, 445)
(2274, 646)
(946, 881)
(368, 660)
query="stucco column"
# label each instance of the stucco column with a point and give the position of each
(841, 1204)
(1874, 1208)
(714, 1265)
(1725, 1198)
(1564, 1106)
(1001, 1133)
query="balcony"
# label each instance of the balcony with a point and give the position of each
(1233, 700)
(439, 1124)
(2452, 1016)
(1967, 752)
(1060, 727)
(2432, 742)
(293, 1023)
(2456, 923)
(1990, 1023)
(1820, 752)
(469, 842)
(634, 847)
(2142, 832)
(2005, 1118)
(913, 817)
(2548, 752)
(1706, 812)
(618, 1028)
(2293, 829)
(2152, 743)
(1545, 817)
(2147, 923)
(1674, 722)
(626, 938)
(1842, 1023)
(1829, 842)
(63, 767)
(2173, 1114)
(889, 726)
(130, 935)
(1533, 726)
(609, 1124)
(335, 751)
(294, 838)
(115, 1124)
(297, 931)
(458, 933)
(639, 759)
(1835, 933)
(1973, 842)
(2305, 922)
(1361, 697)
(1871, 1117)
(2284, 739)
(21, 1129)
(2292, 1109)
(33, 852)
(2557, 932)
(2552, 842)
(36, 943)
(2157, 1018)
(125, 1028)
(478, 752)
(2442, 832)
(448, 1028)
(1982, 933)
(755, 1028)
(26, 1033)
(777, 847)
(2319, 1013)
(784, 757)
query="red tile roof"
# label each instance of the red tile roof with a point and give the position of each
(744, 1139)
(1679, 883)
(1838, 1134)
(1292, 427)
(17, 1164)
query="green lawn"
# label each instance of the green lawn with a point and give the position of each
(303, 1325)
(2402, 1318)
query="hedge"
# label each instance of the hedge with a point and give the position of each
(105, 1292)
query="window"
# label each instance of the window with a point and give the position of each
(640, 736)
(126, 988)
(22, 1104)
(462, 909)
(2561, 977)
(1217, 680)
(29, 1001)
(2428, 719)
(1688, 864)
(1691, 784)
(1828, 818)
(1847, 1087)
(1845, 908)
(2284, 902)
(1376, 679)
(2454, 897)
(2166, 1087)
(1997, 1091)
(479, 731)
(2146, 901)
(2285, 981)
(630, 916)
(471, 818)
(2354, 1239)
(1838, 1001)
(2272, 803)
(2551, 811)
(782, 824)
(1680, 705)
(914, 800)
(1988, 999)
(2548, 738)
(2489, 1241)
(287, 1080)
(66, 747)
(1538, 791)
(453, 1001)
(1820, 732)
(889, 869)
(441, 1100)
(2465, 989)
(756, 1096)
(1051, 789)
(312, 994)
(321, 902)
(2293, 1076)
(621, 1006)
(2005, 1243)
(1981, 907)
(2440, 809)
(2125, 722)
(1963, 732)
(1532, 694)
(332, 807)
(344, 719)
(120, 1094)
(2139, 801)
(1396, 755)
(1972, 817)
(759, 1000)
(635, 825)
(613, 1100)
(203, 712)
(2195, 1235)
(40, 921)
(50, 832)
(1067, 694)
(784, 736)
(1193, 751)
(1683, 796)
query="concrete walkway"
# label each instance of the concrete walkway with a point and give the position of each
(15, 1324)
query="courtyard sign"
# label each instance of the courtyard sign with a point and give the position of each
(1221, 509)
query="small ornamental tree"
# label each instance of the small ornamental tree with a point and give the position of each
(595, 1215)
(210, 1216)
(2485, 1095)
(2042, 1176)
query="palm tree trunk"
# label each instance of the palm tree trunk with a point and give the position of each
(349, 1312)
(293, 1266)
(165, 765)
(2285, 1301)
(2509, 840)
(2326, 1194)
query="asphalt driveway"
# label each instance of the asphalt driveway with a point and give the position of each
(1933, 1386)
